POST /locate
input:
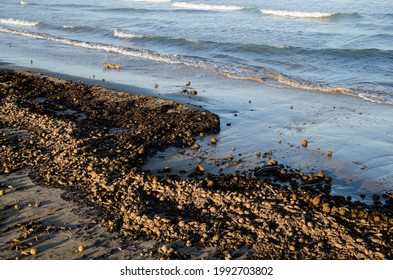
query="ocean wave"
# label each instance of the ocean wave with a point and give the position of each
(205, 7)
(141, 53)
(125, 35)
(298, 14)
(18, 22)
(181, 42)
(228, 70)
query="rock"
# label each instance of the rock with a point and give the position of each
(33, 251)
(2, 193)
(305, 143)
(321, 174)
(210, 183)
(316, 200)
(326, 207)
(272, 162)
(81, 249)
(167, 169)
(230, 157)
(213, 140)
(188, 83)
(329, 153)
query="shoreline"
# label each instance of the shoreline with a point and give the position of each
(94, 140)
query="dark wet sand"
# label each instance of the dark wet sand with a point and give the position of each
(83, 147)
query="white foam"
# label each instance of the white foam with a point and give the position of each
(163, 57)
(17, 22)
(24, 3)
(205, 7)
(126, 35)
(299, 14)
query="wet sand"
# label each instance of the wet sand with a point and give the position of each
(89, 145)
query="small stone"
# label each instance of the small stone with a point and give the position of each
(155, 85)
(164, 249)
(141, 150)
(199, 168)
(377, 219)
(81, 249)
(259, 154)
(316, 200)
(2, 193)
(321, 174)
(188, 243)
(272, 162)
(304, 143)
(210, 183)
(167, 169)
(292, 248)
(197, 146)
(341, 211)
(188, 83)
(329, 153)
(230, 157)
(213, 140)
(326, 207)
(201, 134)
(16, 207)
(213, 209)
(33, 251)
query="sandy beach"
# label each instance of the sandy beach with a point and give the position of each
(73, 185)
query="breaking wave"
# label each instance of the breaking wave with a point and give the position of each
(299, 14)
(228, 70)
(18, 22)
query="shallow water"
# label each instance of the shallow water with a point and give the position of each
(330, 61)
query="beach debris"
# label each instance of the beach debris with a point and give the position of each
(188, 83)
(190, 92)
(155, 85)
(110, 66)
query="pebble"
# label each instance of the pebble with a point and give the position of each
(33, 251)
(326, 207)
(272, 162)
(2, 193)
(213, 140)
(329, 153)
(81, 249)
(305, 143)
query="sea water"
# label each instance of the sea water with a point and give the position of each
(332, 59)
